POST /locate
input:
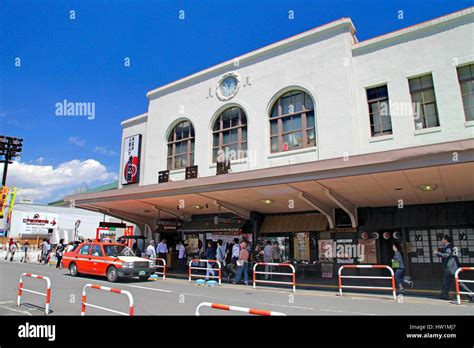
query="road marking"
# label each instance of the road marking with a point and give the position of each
(146, 288)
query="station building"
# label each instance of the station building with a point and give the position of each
(313, 141)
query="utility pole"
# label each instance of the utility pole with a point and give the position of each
(10, 148)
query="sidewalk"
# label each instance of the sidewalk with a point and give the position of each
(426, 288)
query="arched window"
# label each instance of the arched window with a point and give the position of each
(292, 122)
(229, 135)
(181, 146)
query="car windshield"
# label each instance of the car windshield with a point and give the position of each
(117, 250)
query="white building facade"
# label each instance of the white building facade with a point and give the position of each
(334, 141)
(336, 72)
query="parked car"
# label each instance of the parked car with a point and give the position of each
(112, 260)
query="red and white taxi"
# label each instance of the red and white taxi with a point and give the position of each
(107, 259)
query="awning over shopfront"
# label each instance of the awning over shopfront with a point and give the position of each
(208, 225)
(294, 223)
(420, 175)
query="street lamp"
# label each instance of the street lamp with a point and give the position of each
(9, 149)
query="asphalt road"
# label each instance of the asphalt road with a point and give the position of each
(179, 297)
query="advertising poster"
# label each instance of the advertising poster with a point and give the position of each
(325, 250)
(301, 246)
(370, 251)
(131, 160)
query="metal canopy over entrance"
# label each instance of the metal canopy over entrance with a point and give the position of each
(371, 180)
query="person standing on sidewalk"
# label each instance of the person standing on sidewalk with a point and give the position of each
(242, 265)
(449, 263)
(210, 254)
(235, 250)
(26, 249)
(182, 257)
(46, 251)
(399, 267)
(267, 257)
(220, 256)
(162, 249)
(150, 252)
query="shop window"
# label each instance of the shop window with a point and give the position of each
(379, 111)
(424, 242)
(229, 135)
(181, 146)
(292, 124)
(420, 246)
(463, 239)
(466, 82)
(423, 100)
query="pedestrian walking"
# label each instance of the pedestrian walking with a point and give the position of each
(210, 254)
(242, 265)
(59, 250)
(150, 251)
(267, 258)
(26, 249)
(450, 264)
(162, 249)
(182, 257)
(11, 250)
(399, 266)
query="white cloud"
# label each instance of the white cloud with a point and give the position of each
(42, 182)
(77, 141)
(39, 160)
(104, 151)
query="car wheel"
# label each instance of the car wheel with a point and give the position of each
(112, 274)
(143, 278)
(73, 270)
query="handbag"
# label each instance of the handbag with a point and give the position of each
(240, 263)
(395, 263)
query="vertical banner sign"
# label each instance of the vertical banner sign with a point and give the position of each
(131, 159)
(3, 200)
(12, 202)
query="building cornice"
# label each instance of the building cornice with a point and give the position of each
(140, 118)
(417, 27)
(343, 22)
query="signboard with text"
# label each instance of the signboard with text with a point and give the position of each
(38, 223)
(131, 160)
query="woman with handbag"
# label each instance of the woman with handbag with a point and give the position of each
(399, 268)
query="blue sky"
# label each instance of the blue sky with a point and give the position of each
(82, 60)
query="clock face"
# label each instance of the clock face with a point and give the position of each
(228, 86)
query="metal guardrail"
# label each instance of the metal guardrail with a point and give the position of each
(219, 269)
(105, 288)
(293, 274)
(47, 294)
(392, 277)
(457, 281)
(237, 309)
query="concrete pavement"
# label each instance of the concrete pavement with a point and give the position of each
(178, 297)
